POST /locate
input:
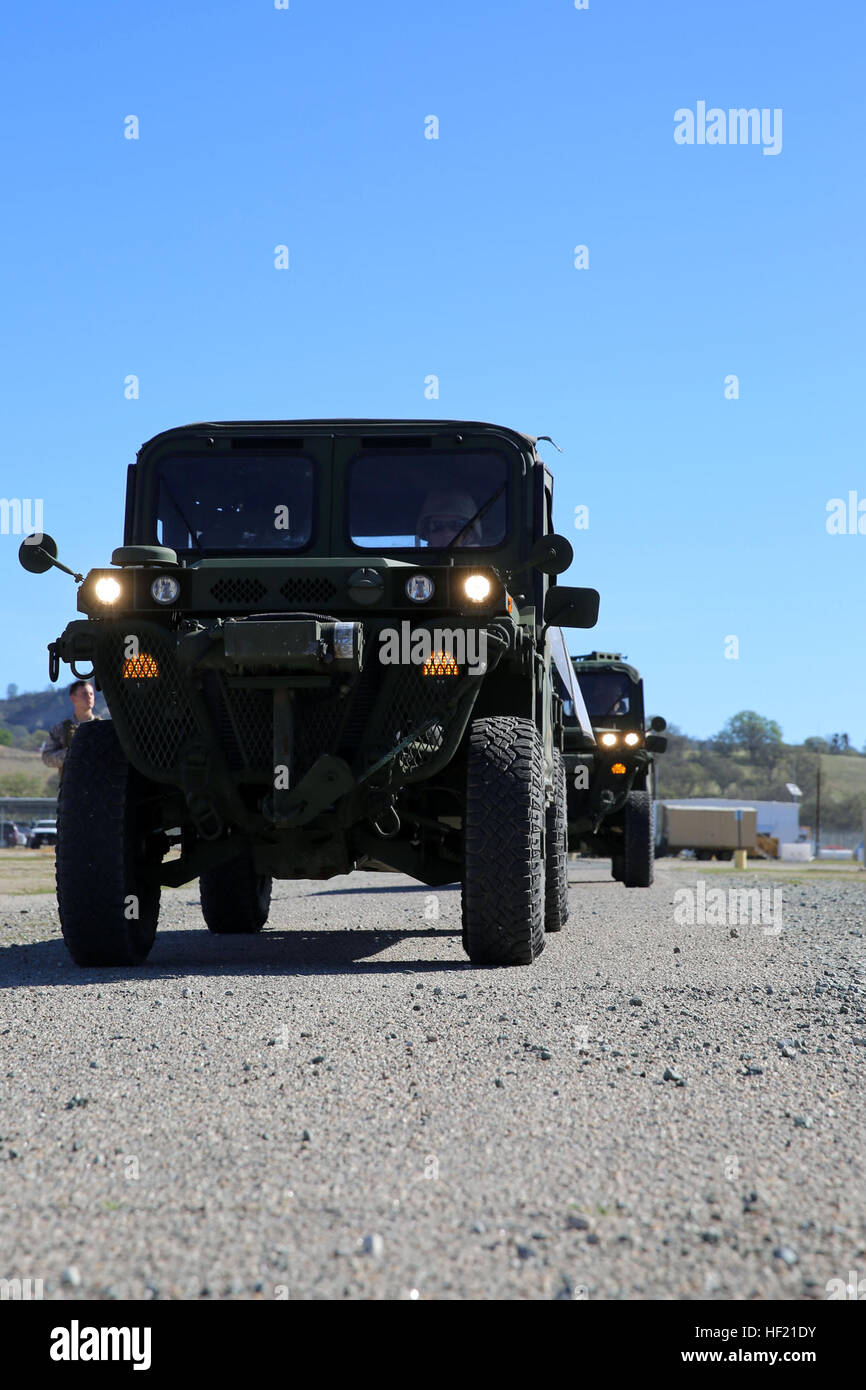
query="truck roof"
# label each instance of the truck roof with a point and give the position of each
(342, 426)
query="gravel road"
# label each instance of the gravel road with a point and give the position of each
(344, 1108)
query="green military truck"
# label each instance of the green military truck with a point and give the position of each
(610, 792)
(323, 644)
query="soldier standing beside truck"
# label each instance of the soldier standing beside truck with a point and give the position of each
(56, 747)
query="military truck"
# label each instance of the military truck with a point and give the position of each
(610, 792)
(323, 644)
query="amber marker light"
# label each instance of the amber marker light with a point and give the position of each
(141, 667)
(618, 769)
(440, 664)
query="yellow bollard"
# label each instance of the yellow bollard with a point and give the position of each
(740, 858)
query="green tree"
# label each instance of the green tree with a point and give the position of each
(760, 738)
(5, 738)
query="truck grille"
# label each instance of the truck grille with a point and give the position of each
(161, 715)
(409, 700)
(156, 709)
(238, 591)
(305, 590)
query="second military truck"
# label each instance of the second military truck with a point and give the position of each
(610, 791)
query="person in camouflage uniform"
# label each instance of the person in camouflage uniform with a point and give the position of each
(54, 751)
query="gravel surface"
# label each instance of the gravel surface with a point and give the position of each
(344, 1108)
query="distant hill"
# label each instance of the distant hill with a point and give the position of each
(699, 767)
(842, 776)
(25, 774)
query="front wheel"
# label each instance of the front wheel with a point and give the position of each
(234, 898)
(503, 828)
(108, 854)
(639, 840)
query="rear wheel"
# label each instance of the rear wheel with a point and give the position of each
(556, 852)
(503, 875)
(639, 846)
(108, 854)
(234, 898)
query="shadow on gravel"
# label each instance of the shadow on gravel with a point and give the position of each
(389, 888)
(180, 954)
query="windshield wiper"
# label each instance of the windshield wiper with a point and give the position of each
(171, 497)
(482, 511)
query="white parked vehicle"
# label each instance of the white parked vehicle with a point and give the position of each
(44, 832)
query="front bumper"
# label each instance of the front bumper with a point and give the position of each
(242, 716)
(595, 791)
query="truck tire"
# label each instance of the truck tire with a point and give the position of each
(107, 864)
(503, 833)
(639, 847)
(556, 851)
(234, 899)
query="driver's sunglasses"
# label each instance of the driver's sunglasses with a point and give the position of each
(446, 523)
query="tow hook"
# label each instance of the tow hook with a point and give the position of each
(391, 825)
(606, 800)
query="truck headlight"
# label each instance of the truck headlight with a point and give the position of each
(608, 740)
(632, 739)
(165, 589)
(477, 587)
(419, 588)
(107, 590)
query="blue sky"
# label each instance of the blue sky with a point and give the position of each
(455, 257)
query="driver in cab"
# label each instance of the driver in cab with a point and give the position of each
(444, 515)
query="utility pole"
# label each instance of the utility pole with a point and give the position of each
(818, 812)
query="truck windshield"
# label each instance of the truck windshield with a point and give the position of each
(606, 693)
(241, 502)
(422, 500)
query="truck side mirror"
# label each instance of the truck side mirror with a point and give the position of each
(657, 724)
(551, 554)
(568, 607)
(37, 553)
(655, 743)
